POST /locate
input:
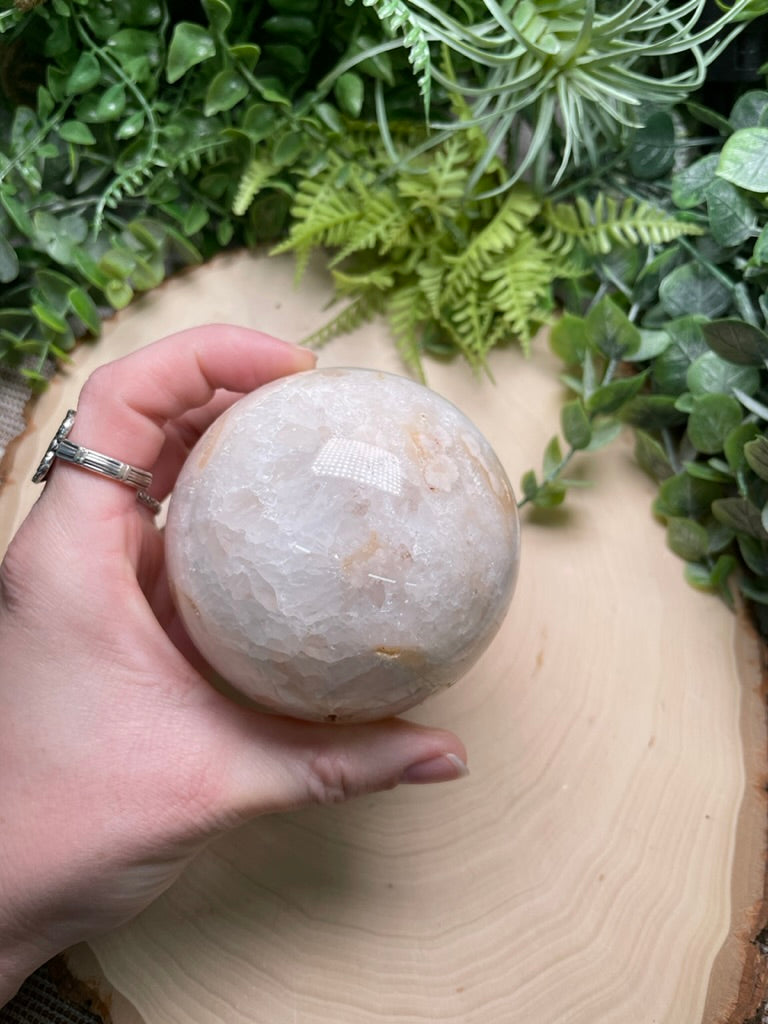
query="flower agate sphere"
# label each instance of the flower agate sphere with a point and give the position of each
(341, 544)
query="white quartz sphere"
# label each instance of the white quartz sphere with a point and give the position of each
(342, 543)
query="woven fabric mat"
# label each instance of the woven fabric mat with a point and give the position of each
(39, 1001)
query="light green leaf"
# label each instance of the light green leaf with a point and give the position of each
(744, 159)
(749, 109)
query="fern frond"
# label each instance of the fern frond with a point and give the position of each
(518, 209)
(431, 276)
(379, 279)
(469, 325)
(442, 189)
(321, 214)
(252, 181)
(126, 185)
(395, 16)
(407, 314)
(520, 288)
(606, 223)
(380, 222)
(354, 315)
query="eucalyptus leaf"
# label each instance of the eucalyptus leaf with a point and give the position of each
(692, 289)
(687, 538)
(575, 423)
(651, 152)
(741, 515)
(756, 454)
(652, 412)
(611, 331)
(690, 185)
(737, 341)
(712, 418)
(731, 217)
(712, 374)
(686, 496)
(607, 398)
(651, 457)
(569, 338)
(9, 262)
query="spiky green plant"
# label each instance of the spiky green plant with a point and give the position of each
(552, 83)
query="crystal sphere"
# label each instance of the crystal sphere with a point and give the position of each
(342, 543)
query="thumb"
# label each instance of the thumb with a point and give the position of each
(278, 764)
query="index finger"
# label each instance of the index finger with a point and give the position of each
(125, 405)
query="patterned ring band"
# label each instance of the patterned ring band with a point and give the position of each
(86, 458)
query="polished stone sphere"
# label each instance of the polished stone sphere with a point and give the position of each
(342, 543)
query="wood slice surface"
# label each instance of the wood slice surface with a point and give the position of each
(605, 860)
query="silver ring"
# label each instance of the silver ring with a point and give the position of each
(86, 458)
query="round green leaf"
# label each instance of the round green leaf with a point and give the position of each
(731, 218)
(744, 159)
(748, 109)
(760, 252)
(689, 186)
(713, 417)
(190, 45)
(691, 289)
(651, 457)
(224, 91)
(709, 374)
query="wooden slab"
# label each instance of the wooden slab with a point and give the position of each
(605, 861)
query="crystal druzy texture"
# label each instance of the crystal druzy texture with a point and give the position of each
(341, 544)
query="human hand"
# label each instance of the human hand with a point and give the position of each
(119, 761)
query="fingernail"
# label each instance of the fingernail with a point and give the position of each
(444, 768)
